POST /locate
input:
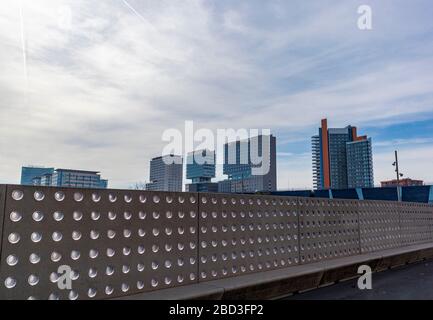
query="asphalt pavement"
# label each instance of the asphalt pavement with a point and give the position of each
(412, 282)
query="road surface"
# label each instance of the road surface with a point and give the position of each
(412, 282)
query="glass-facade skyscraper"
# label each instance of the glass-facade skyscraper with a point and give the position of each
(166, 174)
(200, 169)
(246, 174)
(338, 139)
(200, 166)
(360, 164)
(341, 158)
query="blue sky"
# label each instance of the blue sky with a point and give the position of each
(102, 80)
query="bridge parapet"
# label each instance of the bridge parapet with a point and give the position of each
(120, 243)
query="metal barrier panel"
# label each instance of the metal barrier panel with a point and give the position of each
(241, 234)
(379, 225)
(2, 207)
(416, 223)
(115, 243)
(329, 229)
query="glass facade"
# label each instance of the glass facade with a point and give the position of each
(200, 166)
(76, 179)
(240, 166)
(64, 178)
(202, 187)
(166, 174)
(46, 179)
(360, 164)
(32, 175)
(338, 138)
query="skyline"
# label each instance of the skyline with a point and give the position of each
(94, 94)
(184, 161)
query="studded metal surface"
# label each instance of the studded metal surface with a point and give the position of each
(379, 225)
(241, 234)
(115, 242)
(2, 207)
(120, 243)
(329, 229)
(416, 223)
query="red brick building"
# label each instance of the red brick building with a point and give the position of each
(403, 183)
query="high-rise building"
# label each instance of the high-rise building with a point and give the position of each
(166, 174)
(317, 163)
(32, 175)
(360, 164)
(200, 166)
(338, 139)
(200, 169)
(250, 165)
(341, 159)
(64, 178)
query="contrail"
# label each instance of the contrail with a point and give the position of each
(140, 16)
(23, 43)
(136, 12)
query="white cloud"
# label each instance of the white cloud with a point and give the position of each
(415, 163)
(403, 142)
(100, 93)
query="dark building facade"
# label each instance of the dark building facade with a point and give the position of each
(360, 164)
(211, 187)
(166, 174)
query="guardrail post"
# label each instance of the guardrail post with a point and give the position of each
(430, 198)
(360, 193)
(400, 194)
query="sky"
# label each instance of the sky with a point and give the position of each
(94, 84)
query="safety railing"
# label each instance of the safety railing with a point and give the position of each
(60, 243)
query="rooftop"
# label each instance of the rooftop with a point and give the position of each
(80, 171)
